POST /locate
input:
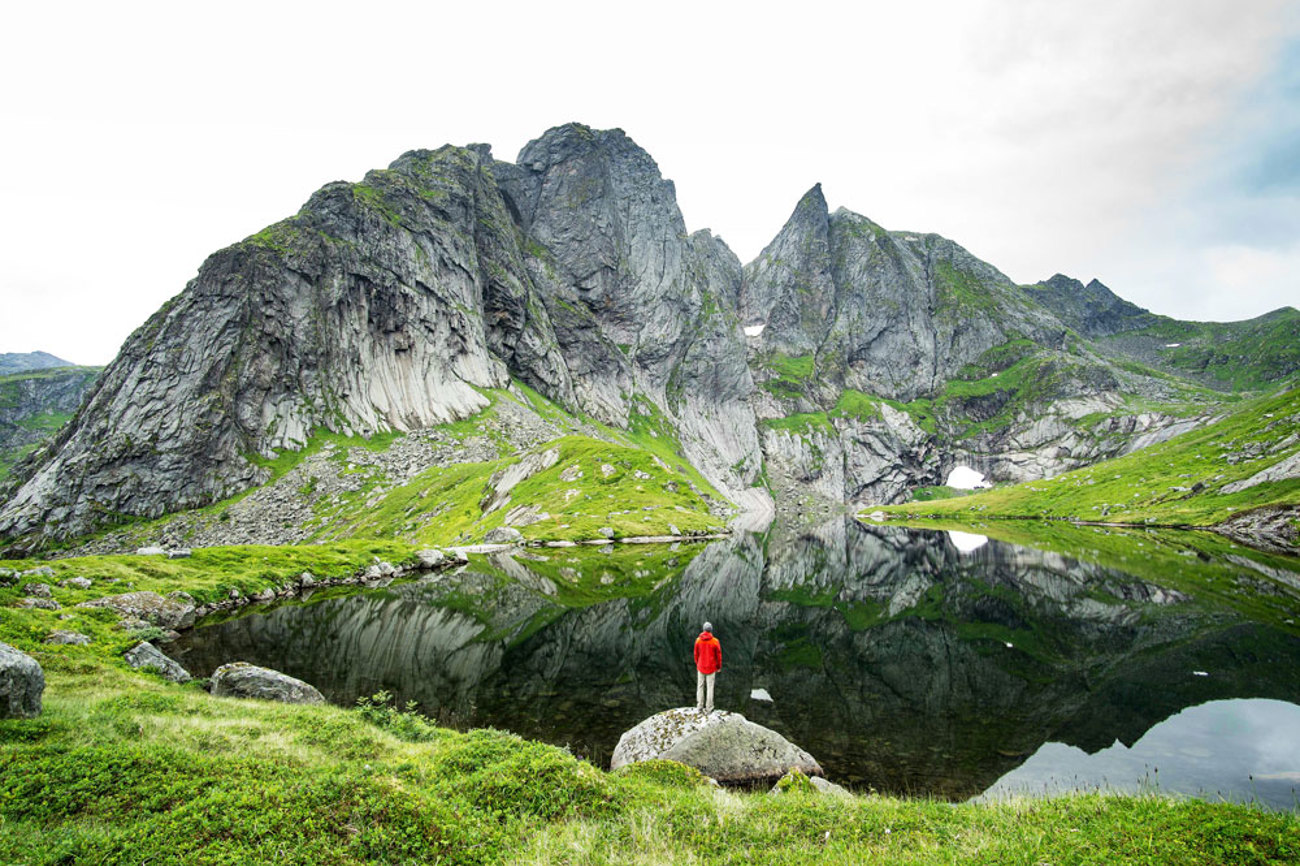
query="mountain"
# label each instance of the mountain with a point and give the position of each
(18, 362)
(1227, 356)
(34, 404)
(558, 296)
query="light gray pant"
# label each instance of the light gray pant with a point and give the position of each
(703, 685)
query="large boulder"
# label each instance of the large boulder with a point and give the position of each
(168, 613)
(242, 680)
(21, 684)
(724, 746)
(145, 655)
(503, 535)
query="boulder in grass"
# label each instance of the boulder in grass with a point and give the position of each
(146, 656)
(67, 638)
(22, 682)
(503, 535)
(243, 680)
(32, 603)
(168, 613)
(430, 559)
(724, 746)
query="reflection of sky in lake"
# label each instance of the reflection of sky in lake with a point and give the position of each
(1210, 751)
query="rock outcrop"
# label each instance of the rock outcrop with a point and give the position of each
(242, 680)
(22, 683)
(146, 656)
(724, 746)
(164, 612)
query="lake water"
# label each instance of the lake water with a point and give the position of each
(905, 661)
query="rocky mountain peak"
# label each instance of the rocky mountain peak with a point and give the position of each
(1092, 310)
(789, 288)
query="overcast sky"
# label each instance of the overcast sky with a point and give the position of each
(1152, 145)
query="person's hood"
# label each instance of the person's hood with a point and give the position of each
(706, 635)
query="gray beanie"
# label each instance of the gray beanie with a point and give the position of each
(708, 626)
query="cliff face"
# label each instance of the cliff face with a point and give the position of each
(34, 404)
(846, 363)
(385, 304)
(890, 314)
(903, 356)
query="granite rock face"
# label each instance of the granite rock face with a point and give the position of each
(885, 313)
(145, 655)
(390, 304)
(34, 404)
(383, 305)
(21, 684)
(242, 680)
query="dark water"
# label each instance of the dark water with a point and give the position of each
(903, 660)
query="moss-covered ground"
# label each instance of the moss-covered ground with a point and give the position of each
(123, 767)
(1180, 482)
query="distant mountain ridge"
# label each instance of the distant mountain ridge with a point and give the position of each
(17, 362)
(846, 364)
(1247, 354)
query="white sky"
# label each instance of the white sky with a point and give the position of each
(1150, 144)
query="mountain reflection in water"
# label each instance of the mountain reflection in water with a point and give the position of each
(902, 663)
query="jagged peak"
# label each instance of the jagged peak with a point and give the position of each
(571, 140)
(813, 200)
(1062, 281)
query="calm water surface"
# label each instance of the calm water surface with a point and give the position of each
(905, 661)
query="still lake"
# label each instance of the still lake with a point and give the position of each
(906, 661)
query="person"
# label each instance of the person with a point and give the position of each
(708, 661)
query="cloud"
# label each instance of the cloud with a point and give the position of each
(1112, 139)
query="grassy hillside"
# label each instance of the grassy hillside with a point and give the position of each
(634, 482)
(1186, 481)
(123, 767)
(1250, 355)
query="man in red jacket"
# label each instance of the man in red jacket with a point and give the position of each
(708, 661)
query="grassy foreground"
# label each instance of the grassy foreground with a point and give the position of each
(125, 768)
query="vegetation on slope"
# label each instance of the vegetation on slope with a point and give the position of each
(1186, 481)
(1239, 356)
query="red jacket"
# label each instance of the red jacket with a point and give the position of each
(708, 653)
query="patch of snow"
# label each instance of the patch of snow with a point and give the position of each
(760, 695)
(754, 330)
(1172, 345)
(966, 542)
(965, 478)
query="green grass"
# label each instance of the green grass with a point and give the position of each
(444, 505)
(790, 374)
(800, 423)
(1242, 356)
(1155, 485)
(123, 767)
